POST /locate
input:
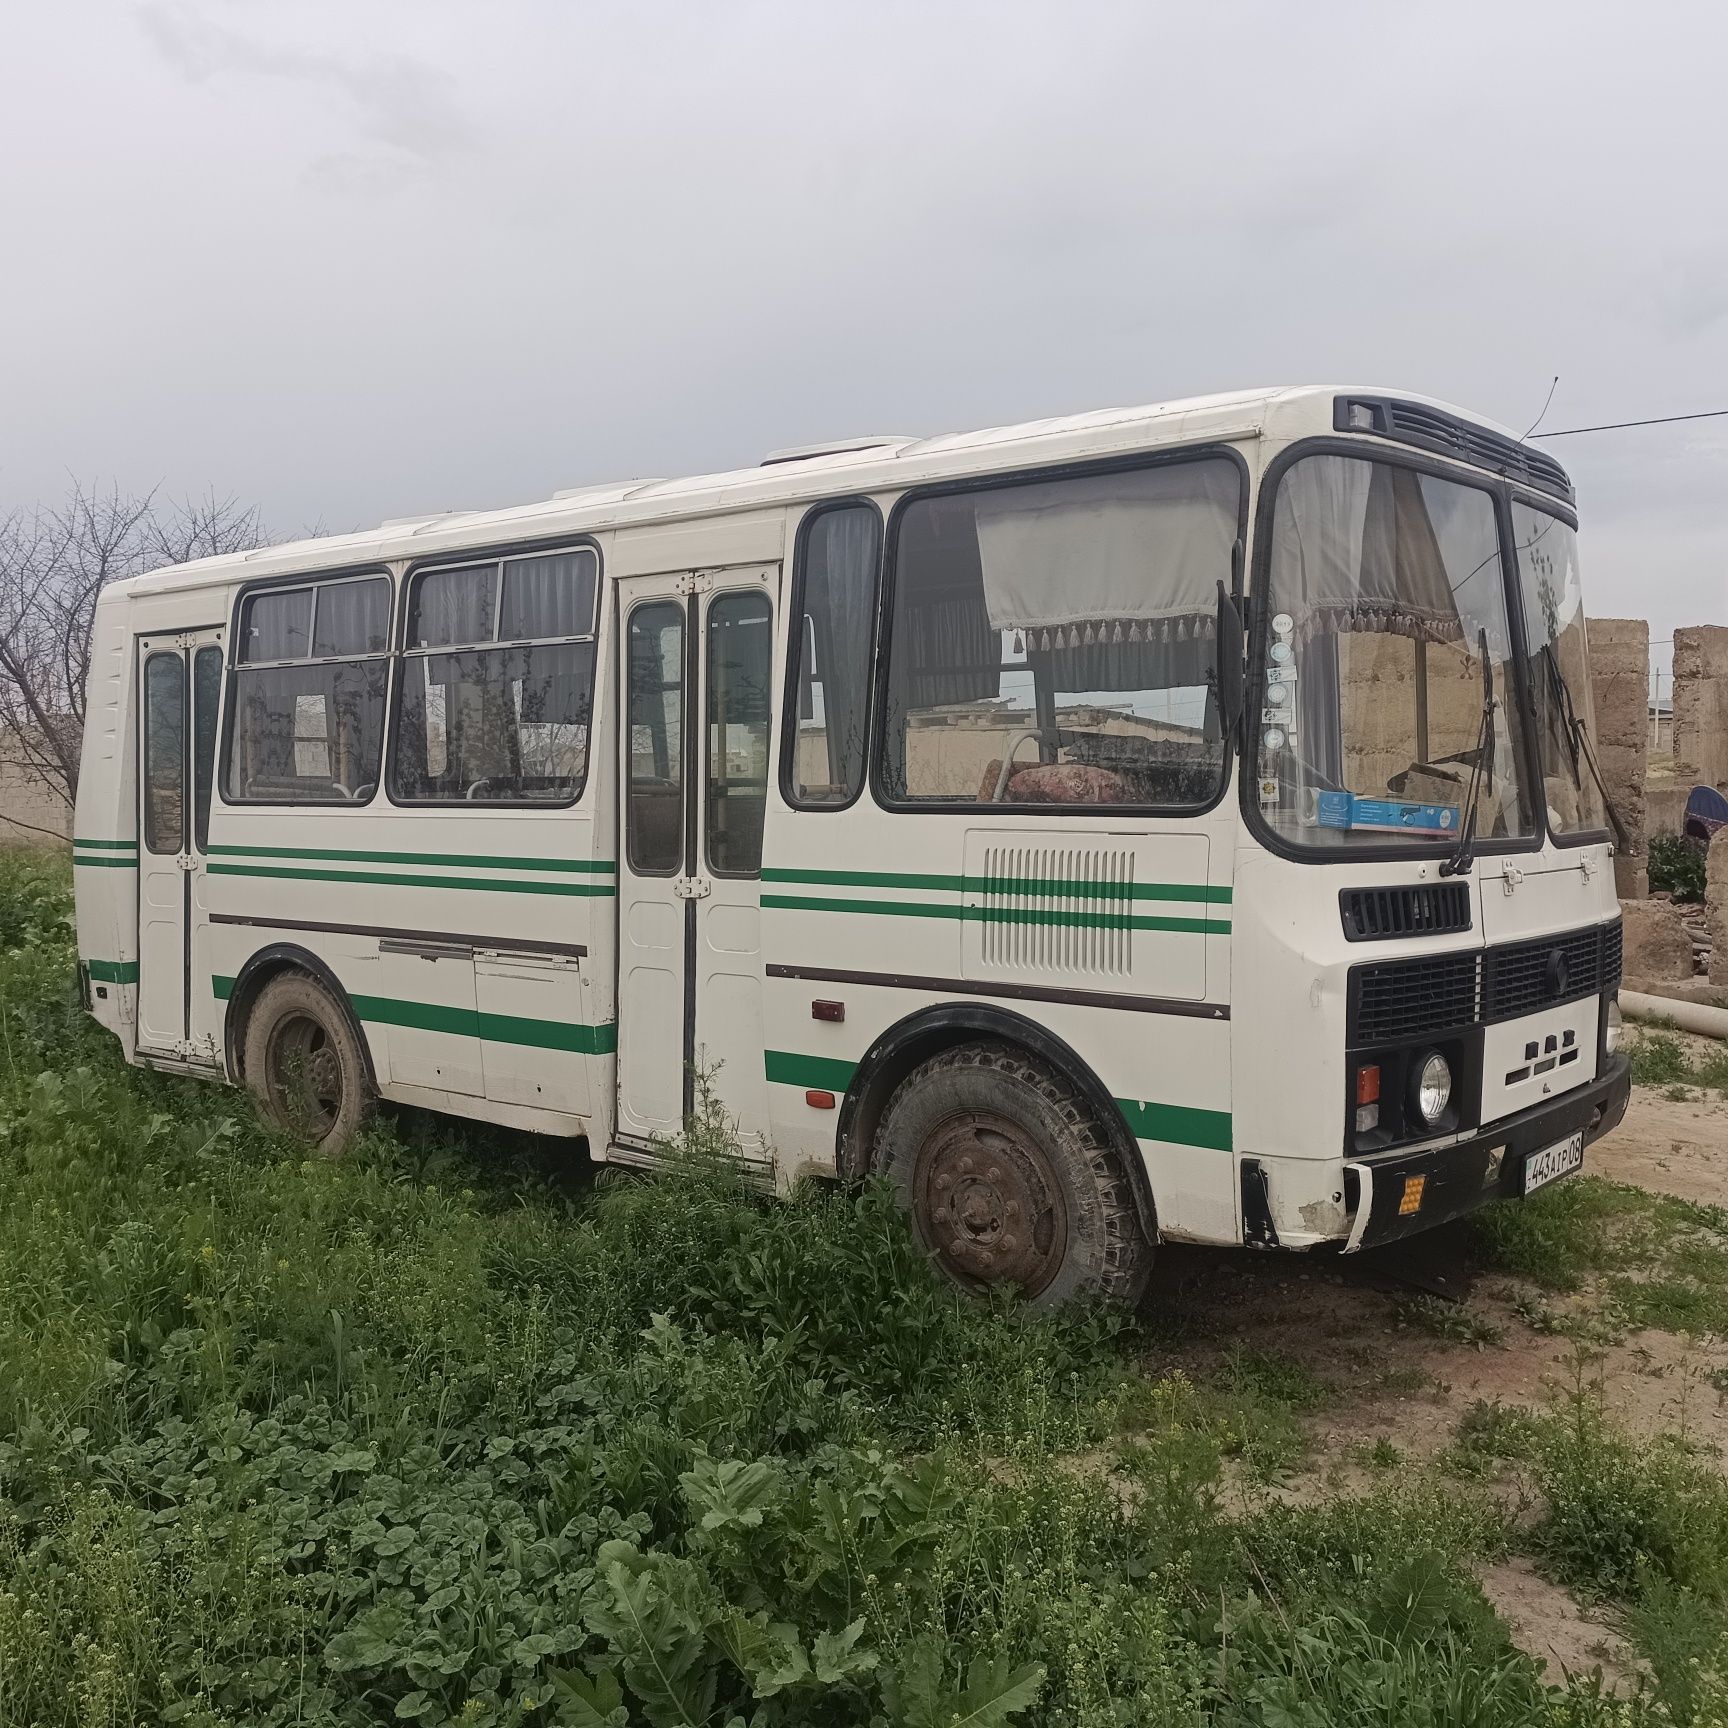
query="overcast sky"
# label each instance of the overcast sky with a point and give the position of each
(350, 259)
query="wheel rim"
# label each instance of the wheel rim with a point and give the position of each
(988, 1204)
(305, 1076)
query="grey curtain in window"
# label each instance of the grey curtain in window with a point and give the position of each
(278, 626)
(548, 597)
(945, 648)
(352, 618)
(840, 601)
(1363, 553)
(452, 607)
(1127, 665)
(1106, 559)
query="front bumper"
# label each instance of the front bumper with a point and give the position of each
(1460, 1177)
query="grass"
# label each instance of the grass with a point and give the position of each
(445, 1433)
(1660, 1059)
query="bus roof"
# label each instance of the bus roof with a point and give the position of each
(842, 467)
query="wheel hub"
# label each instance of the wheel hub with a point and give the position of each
(305, 1075)
(988, 1203)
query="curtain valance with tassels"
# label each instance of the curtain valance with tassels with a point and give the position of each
(1107, 559)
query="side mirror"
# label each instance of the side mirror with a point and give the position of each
(1230, 650)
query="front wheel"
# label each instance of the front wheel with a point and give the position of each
(1010, 1179)
(304, 1064)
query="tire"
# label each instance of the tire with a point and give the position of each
(304, 1065)
(982, 1138)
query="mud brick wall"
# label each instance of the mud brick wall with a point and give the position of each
(1701, 705)
(1620, 677)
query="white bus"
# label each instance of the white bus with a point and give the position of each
(1177, 822)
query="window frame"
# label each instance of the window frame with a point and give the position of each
(146, 733)
(1545, 505)
(794, 626)
(681, 865)
(478, 558)
(709, 802)
(1365, 448)
(881, 641)
(234, 665)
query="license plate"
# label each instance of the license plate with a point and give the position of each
(1553, 1161)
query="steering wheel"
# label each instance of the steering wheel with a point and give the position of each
(337, 785)
(484, 780)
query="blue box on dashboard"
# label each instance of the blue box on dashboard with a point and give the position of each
(1384, 815)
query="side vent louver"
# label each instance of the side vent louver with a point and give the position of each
(1420, 909)
(1058, 908)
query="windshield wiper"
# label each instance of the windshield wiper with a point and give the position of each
(1464, 853)
(1578, 742)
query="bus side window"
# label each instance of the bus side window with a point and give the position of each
(654, 807)
(206, 693)
(164, 753)
(496, 691)
(740, 654)
(307, 699)
(835, 618)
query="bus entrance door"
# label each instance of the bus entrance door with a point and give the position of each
(180, 688)
(697, 655)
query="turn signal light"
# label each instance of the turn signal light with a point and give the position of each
(1368, 1083)
(819, 1100)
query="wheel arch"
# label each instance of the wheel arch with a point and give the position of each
(929, 1031)
(272, 962)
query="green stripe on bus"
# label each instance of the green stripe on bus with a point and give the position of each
(1057, 885)
(1053, 885)
(822, 1073)
(906, 908)
(395, 879)
(1177, 1123)
(1052, 915)
(104, 863)
(582, 866)
(113, 971)
(864, 879)
(567, 1035)
(108, 845)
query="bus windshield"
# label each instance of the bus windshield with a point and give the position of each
(1559, 670)
(1379, 720)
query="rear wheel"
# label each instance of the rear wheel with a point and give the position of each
(1009, 1178)
(304, 1064)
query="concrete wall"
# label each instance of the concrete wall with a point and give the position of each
(1701, 706)
(1620, 678)
(24, 797)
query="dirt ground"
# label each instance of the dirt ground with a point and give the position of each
(1391, 1382)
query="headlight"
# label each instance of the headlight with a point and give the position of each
(1433, 1087)
(1615, 1030)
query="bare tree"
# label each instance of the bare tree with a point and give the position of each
(54, 562)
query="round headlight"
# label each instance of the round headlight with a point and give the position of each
(1433, 1087)
(1615, 1030)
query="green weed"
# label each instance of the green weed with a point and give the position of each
(445, 1432)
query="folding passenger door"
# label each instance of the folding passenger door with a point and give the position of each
(696, 679)
(179, 694)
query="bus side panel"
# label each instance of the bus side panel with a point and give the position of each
(105, 848)
(476, 948)
(881, 902)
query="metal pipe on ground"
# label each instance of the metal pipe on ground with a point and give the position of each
(1695, 1017)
